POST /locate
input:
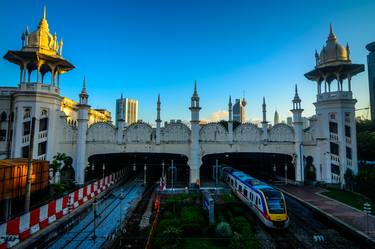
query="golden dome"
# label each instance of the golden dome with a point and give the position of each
(333, 51)
(41, 39)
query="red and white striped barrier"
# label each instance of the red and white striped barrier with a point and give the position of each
(22, 227)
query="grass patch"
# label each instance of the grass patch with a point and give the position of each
(184, 224)
(350, 198)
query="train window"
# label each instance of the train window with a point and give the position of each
(245, 193)
(239, 187)
(275, 201)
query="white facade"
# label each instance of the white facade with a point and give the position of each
(333, 123)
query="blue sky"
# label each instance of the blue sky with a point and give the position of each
(142, 48)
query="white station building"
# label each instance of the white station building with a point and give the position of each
(34, 110)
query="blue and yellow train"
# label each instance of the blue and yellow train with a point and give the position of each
(266, 202)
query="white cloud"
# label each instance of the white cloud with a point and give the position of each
(217, 116)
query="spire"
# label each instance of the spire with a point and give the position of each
(83, 96)
(158, 120)
(44, 12)
(230, 100)
(331, 35)
(296, 97)
(84, 86)
(264, 111)
(195, 89)
(122, 98)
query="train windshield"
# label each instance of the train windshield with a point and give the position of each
(275, 201)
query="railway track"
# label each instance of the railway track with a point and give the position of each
(88, 234)
(134, 238)
(305, 231)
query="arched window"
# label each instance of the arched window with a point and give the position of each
(27, 113)
(3, 117)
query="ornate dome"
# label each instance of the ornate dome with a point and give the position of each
(41, 39)
(333, 51)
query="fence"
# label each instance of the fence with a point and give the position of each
(13, 174)
(22, 227)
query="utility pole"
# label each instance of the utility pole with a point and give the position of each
(29, 167)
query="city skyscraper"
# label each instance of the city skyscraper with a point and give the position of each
(276, 118)
(371, 77)
(130, 110)
(239, 110)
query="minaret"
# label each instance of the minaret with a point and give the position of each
(335, 111)
(230, 121)
(158, 120)
(195, 150)
(264, 121)
(83, 118)
(120, 121)
(298, 125)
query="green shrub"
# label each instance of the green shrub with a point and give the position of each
(192, 215)
(170, 238)
(223, 230)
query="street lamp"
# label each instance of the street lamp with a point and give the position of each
(162, 169)
(172, 168)
(274, 170)
(103, 168)
(286, 173)
(216, 173)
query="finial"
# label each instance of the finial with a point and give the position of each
(121, 97)
(84, 85)
(44, 12)
(296, 91)
(195, 86)
(159, 98)
(230, 100)
(331, 34)
(264, 100)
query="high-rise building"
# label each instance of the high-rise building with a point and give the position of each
(371, 77)
(276, 118)
(289, 121)
(239, 110)
(130, 109)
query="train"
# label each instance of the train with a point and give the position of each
(266, 202)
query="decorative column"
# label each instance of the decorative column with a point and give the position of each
(158, 121)
(297, 124)
(195, 150)
(264, 122)
(230, 121)
(83, 117)
(120, 122)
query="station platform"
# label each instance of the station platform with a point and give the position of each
(340, 213)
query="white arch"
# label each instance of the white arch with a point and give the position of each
(101, 132)
(213, 132)
(281, 133)
(138, 133)
(175, 133)
(247, 132)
